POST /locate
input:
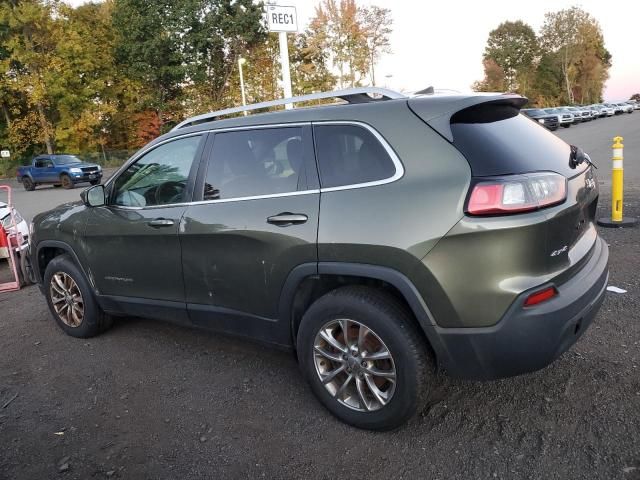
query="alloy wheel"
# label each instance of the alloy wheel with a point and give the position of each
(66, 299)
(354, 365)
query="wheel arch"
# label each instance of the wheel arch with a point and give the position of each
(47, 250)
(308, 282)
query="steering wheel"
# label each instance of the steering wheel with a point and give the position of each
(169, 192)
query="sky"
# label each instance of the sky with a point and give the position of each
(440, 44)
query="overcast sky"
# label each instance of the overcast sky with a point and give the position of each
(441, 43)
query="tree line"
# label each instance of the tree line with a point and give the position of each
(565, 63)
(111, 75)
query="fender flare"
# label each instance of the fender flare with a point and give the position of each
(62, 246)
(398, 280)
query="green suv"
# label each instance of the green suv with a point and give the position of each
(382, 239)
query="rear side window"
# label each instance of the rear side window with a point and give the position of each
(496, 140)
(349, 155)
(249, 163)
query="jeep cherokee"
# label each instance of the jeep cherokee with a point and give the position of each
(381, 239)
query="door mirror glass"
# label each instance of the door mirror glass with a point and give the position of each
(94, 196)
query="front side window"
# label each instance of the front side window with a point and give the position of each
(159, 177)
(349, 155)
(43, 163)
(249, 163)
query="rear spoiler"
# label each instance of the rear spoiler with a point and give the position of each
(437, 111)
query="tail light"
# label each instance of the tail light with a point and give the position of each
(540, 296)
(516, 193)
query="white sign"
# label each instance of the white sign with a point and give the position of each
(5, 153)
(281, 18)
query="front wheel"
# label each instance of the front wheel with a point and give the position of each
(66, 181)
(71, 300)
(566, 125)
(364, 358)
(94, 182)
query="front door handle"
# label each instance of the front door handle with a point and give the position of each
(161, 222)
(285, 219)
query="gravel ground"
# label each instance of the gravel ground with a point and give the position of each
(158, 401)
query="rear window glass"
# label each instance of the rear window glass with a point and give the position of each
(496, 140)
(349, 155)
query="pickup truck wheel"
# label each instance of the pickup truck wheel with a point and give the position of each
(67, 183)
(28, 184)
(71, 300)
(364, 358)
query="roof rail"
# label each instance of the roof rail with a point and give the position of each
(350, 95)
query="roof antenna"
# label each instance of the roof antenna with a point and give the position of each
(426, 91)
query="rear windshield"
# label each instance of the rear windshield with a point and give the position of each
(497, 140)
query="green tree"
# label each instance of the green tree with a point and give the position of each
(309, 64)
(576, 39)
(376, 23)
(148, 49)
(30, 31)
(513, 46)
(494, 78)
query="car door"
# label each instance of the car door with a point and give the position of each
(255, 221)
(132, 243)
(42, 171)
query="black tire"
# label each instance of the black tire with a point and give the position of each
(57, 185)
(66, 181)
(28, 184)
(28, 275)
(566, 125)
(94, 182)
(94, 320)
(392, 323)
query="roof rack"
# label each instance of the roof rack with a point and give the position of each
(350, 95)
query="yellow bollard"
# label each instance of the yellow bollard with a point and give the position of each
(617, 190)
(617, 176)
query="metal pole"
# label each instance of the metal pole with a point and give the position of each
(244, 100)
(284, 63)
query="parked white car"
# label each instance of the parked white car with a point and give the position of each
(565, 119)
(21, 224)
(626, 107)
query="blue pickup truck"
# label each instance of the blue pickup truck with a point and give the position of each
(58, 170)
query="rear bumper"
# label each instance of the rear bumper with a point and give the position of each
(528, 339)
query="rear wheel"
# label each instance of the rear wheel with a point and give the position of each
(364, 358)
(66, 181)
(28, 184)
(71, 300)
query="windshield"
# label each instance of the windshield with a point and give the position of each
(66, 159)
(536, 112)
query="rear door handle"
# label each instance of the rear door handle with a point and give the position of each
(161, 222)
(285, 219)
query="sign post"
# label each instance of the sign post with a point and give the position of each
(283, 19)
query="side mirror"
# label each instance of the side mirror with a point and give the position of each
(94, 196)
